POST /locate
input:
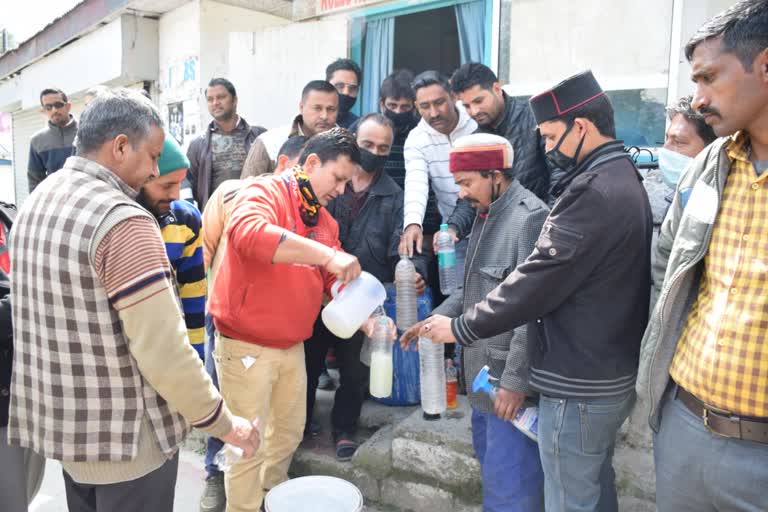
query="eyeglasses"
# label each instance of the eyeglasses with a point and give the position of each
(51, 106)
(353, 88)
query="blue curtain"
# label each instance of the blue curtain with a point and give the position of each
(470, 19)
(377, 60)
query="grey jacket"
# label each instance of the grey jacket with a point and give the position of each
(683, 242)
(497, 244)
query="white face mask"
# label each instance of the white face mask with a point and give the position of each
(672, 165)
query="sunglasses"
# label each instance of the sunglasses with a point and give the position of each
(51, 106)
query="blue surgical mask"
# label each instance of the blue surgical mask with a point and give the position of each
(672, 165)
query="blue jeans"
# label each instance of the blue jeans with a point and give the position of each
(576, 442)
(699, 471)
(510, 465)
(212, 445)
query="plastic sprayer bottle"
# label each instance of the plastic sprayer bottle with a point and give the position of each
(527, 419)
(405, 302)
(432, 378)
(446, 260)
(381, 358)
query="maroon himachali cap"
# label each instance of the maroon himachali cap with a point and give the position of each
(566, 96)
(480, 152)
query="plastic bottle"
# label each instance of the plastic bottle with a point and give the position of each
(432, 378)
(227, 456)
(527, 418)
(405, 296)
(451, 384)
(352, 304)
(446, 260)
(381, 358)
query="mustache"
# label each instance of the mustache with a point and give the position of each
(705, 111)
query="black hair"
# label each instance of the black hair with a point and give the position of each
(293, 146)
(684, 108)
(599, 111)
(743, 27)
(330, 145)
(346, 65)
(397, 85)
(472, 74)
(51, 90)
(224, 83)
(317, 85)
(428, 78)
(377, 118)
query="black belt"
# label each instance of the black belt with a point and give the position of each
(724, 423)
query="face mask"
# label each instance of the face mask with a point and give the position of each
(371, 163)
(557, 160)
(672, 165)
(399, 119)
(346, 103)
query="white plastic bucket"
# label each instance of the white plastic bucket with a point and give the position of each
(316, 494)
(353, 304)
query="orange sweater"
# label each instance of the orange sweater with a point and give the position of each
(253, 299)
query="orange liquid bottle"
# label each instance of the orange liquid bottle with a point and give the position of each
(451, 384)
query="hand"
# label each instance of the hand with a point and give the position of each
(453, 233)
(438, 329)
(369, 325)
(411, 334)
(420, 284)
(244, 434)
(507, 403)
(344, 266)
(412, 235)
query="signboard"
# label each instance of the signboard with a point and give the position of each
(332, 6)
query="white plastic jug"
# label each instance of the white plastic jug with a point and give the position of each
(315, 493)
(352, 304)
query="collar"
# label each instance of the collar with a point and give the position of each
(298, 122)
(98, 171)
(513, 193)
(239, 125)
(464, 120)
(607, 148)
(70, 124)
(511, 111)
(739, 146)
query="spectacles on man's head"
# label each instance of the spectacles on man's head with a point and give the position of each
(56, 105)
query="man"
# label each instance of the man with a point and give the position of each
(318, 109)
(180, 224)
(396, 102)
(282, 253)
(370, 218)
(504, 233)
(496, 112)
(219, 153)
(345, 75)
(51, 146)
(215, 219)
(22, 468)
(704, 359)
(426, 159)
(584, 292)
(104, 375)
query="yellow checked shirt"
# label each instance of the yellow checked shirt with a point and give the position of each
(722, 355)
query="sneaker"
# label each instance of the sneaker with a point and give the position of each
(325, 381)
(214, 498)
(312, 429)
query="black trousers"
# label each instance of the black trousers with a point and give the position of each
(153, 491)
(350, 395)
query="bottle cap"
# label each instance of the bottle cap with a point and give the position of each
(482, 381)
(443, 227)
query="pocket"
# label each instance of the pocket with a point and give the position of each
(494, 273)
(600, 422)
(229, 355)
(558, 243)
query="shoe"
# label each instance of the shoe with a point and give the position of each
(325, 382)
(312, 429)
(345, 448)
(214, 498)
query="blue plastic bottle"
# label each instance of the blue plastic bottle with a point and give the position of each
(527, 418)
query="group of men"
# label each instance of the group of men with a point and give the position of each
(111, 330)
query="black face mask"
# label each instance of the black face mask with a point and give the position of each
(372, 163)
(346, 103)
(556, 159)
(399, 119)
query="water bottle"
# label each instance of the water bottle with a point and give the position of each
(446, 260)
(352, 304)
(432, 378)
(227, 456)
(381, 358)
(405, 296)
(451, 384)
(527, 418)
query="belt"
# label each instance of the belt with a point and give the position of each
(724, 423)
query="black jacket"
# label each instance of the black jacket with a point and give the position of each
(7, 214)
(585, 288)
(374, 235)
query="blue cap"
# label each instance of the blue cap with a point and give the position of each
(482, 381)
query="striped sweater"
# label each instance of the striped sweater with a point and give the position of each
(180, 229)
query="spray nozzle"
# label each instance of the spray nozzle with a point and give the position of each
(483, 381)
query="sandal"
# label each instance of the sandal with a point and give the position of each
(345, 449)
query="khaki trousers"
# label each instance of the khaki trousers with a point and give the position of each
(269, 384)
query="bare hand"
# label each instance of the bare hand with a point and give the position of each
(411, 334)
(507, 403)
(412, 235)
(420, 284)
(369, 325)
(453, 234)
(344, 266)
(438, 329)
(244, 434)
